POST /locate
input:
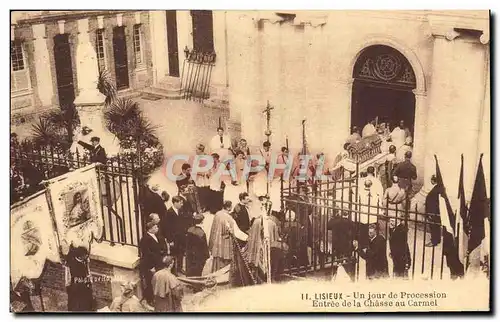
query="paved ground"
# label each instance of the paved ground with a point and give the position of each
(183, 124)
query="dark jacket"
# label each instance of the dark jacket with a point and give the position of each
(342, 237)
(240, 215)
(196, 251)
(175, 227)
(376, 258)
(406, 172)
(152, 252)
(153, 203)
(97, 154)
(398, 243)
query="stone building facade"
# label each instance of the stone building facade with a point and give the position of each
(335, 69)
(338, 69)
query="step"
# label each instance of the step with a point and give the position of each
(171, 95)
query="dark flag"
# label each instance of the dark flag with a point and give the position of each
(450, 247)
(461, 198)
(478, 209)
(240, 274)
(449, 209)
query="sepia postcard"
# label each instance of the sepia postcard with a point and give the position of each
(250, 161)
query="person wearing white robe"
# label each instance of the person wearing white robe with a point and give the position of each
(399, 134)
(401, 151)
(220, 144)
(369, 130)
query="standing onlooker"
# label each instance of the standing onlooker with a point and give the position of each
(375, 254)
(432, 208)
(400, 251)
(406, 172)
(196, 248)
(342, 236)
(176, 224)
(167, 289)
(240, 212)
(97, 152)
(152, 249)
(80, 297)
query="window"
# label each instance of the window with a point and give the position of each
(100, 50)
(138, 45)
(19, 79)
(203, 35)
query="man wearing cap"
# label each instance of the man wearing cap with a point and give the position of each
(97, 152)
(196, 247)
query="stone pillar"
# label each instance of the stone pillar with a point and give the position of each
(242, 64)
(90, 102)
(220, 43)
(43, 73)
(184, 33)
(159, 53)
(419, 140)
(455, 107)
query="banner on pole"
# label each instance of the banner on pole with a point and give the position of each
(33, 237)
(76, 203)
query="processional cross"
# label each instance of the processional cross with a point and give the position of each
(267, 111)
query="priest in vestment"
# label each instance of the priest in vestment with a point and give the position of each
(220, 144)
(220, 244)
(264, 229)
(167, 288)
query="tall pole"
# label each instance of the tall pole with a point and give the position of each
(268, 133)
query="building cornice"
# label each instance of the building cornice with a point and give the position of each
(449, 26)
(50, 17)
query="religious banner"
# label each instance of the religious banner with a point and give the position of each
(33, 237)
(76, 203)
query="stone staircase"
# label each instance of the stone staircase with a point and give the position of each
(170, 88)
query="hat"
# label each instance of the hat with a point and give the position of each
(95, 139)
(198, 218)
(128, 288)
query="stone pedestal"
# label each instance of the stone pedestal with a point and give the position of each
(90, 102)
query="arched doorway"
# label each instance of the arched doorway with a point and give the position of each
(383, 87)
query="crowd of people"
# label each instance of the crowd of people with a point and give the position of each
(195, 231)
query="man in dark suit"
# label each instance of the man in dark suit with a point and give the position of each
(175, 226)
(240, 212)
(432, 207)
(342, 236)
(406, 172)
(196, 248)
(153, 204)
(97, 152)
(400, 251)
(152, 251)
(375, 255)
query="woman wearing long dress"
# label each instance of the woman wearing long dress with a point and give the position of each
(167, 289)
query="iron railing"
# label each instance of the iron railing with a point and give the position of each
(120, 182)
(311, 210)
